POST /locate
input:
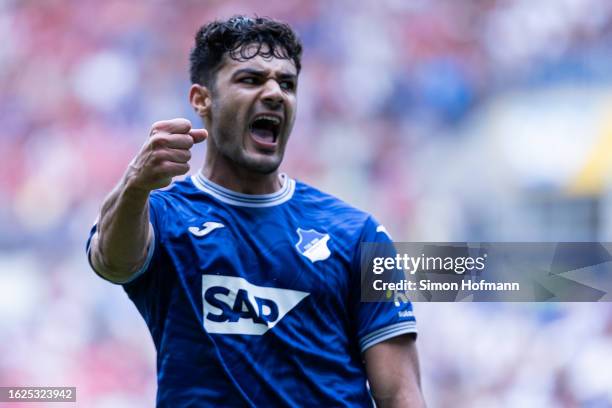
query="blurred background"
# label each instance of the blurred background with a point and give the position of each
(450, 121)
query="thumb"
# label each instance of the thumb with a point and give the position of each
(198, 135)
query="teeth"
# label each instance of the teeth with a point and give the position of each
(272, 119)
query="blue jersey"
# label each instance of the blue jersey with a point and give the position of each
(254, 300)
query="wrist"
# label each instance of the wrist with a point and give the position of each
(133, 192)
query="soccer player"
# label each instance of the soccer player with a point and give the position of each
(249, 280)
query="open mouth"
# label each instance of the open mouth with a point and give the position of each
(265, 130)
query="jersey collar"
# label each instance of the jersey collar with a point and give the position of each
(246, 200)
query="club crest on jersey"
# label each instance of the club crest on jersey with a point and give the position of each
(232, 305)
(313, 245)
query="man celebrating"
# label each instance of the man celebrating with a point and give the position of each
(248, 280)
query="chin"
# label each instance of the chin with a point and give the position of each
(262, 164)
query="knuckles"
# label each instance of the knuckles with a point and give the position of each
(158, 142)
(173, 169)
(174, 125)
(156, 164)
(156, 157)
(162, 140)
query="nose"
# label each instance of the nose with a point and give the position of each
(272, 94)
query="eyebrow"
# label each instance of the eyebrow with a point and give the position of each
(262, 73)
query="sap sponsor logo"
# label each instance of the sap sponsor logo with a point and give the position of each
(313, 245)
(232, 305)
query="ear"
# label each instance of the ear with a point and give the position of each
(200, 99)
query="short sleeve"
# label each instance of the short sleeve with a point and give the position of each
(376, 322)
(155, 223)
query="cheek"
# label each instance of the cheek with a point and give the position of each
(292, 106)
(225, 115)
(292, 114)
(235, 109)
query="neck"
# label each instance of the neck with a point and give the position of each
(241, 180)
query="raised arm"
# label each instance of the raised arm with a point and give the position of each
(119, 247)
(393, 373)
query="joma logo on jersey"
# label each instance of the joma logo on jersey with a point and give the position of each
(234, 306)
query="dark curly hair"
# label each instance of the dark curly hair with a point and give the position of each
(232, 37)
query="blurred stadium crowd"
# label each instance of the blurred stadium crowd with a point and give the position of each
(467, 121)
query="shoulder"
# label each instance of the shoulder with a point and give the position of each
(331, 210)
(181, 198)
(175, 193)
(310, 196)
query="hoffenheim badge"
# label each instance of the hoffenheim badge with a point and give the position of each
(313, 245)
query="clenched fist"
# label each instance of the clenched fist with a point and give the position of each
(164, 155)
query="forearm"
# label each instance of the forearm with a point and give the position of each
(119, 247)
(401, 398)
(394, 374)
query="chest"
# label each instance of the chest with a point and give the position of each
(247, 253)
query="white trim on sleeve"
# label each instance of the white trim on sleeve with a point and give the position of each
(145, 266)
(386, 333)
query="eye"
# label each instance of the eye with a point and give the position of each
(288, 85)
(248, 80)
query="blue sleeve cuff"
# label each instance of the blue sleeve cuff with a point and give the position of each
(139, 272)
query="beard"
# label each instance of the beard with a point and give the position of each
(230, 145)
